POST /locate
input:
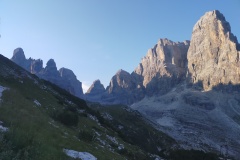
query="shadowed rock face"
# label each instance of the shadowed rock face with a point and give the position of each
(64, 78)
(121, 81)
(213, 56)
(50, 71)
(96, 88)
(70, 82)
(36, 66)
(122, 88)
(19, 56)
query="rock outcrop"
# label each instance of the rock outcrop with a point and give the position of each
(64, 78)
(70, 82)
(96, 92)
(19, 57)
(163, 67)
(50, 72)
(122, 88)
(36, 66)
(96, 88)
(120, 82)
(213, 56)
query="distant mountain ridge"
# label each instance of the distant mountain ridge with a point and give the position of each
(164, 66)
(64, 78)
(211, 58)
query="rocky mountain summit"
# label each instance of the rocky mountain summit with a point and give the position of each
(202, 112)
(95, 89)
(64, 78)
(213, 56)
(163, 67)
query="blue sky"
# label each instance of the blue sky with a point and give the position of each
(96, 38)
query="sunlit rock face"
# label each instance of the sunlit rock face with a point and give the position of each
(163, 67)
(122, 88)
(213, 55)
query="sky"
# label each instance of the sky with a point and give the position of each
(96, 38)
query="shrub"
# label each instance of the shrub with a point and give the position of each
(87, 136)
(68, 118)
(191, 155)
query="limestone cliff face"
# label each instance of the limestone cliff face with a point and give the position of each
(64, 78)
(96, 88)
(70, 82)
(213, 56)
(122, 88)
(50, 72)
(19, 57)
(36, 66)
(122, 80)
(163, 67)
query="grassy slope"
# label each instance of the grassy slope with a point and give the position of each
(32, 127)
(136, 129)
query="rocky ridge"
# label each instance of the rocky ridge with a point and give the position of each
(202, 112)
(210, 60)
(164, 66)
(64, 78)
(190, 90)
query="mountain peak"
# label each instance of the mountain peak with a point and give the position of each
(51, 63)
(213, 20)
(213, 52)
(217, 14)
(97, 81)
(65, 72)
(18, 56)
(122, 72)
(96, 88)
